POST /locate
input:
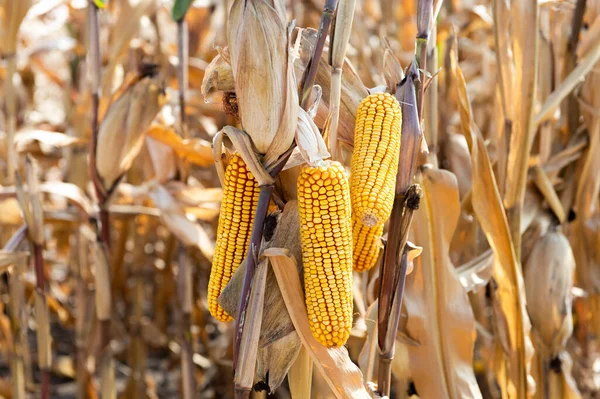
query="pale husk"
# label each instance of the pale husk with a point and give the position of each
(262, 65)
(548, 280)
(121, 133)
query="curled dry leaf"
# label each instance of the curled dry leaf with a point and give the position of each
(477, 272)
(195, 151)
(48, 142)
(218, 76)
(439, 315)
(190, 233)
(310, 143)
(342, 376)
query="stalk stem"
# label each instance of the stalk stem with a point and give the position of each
(43, 331)
(11, 117)
(251, 261)
(310, 74)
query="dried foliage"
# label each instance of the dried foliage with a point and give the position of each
(119, 118)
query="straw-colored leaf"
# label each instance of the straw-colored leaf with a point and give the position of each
(190, 233)
(48, 141)
(300, 375)
(439, 315)
(195, 151)
(8, 258)
(342, 376)
(509, 297)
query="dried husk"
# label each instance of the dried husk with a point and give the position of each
(548, 280)
(262, 66)
(278, 344)
(121, 132)
(439, 315)
(340, 373)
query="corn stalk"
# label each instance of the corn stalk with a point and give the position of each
(266, 190)
(103, 296)
(410, 93)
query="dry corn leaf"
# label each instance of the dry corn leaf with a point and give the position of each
(218, 76)
(193, 195)
(439, 315)
(300, 375)
(525, 19)
(190, 233)
(244, 372)
(10, 213)
(509, 297)
(9, 258)
(47, 141)
(342, 376)
(367, 359)
(195, 151)
(127, 25)
(477, 272)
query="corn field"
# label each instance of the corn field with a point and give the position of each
(300, 199)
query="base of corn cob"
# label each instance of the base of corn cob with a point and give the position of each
(326, 236)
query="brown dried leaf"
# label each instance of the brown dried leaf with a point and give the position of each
(435, 301)
(190, 233)
(47, 141)
(509, 298)
(195, 151)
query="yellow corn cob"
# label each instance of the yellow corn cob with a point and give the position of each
(325, 233)
(373, 174)
(366, 245)
(240, 197)
(375, 158)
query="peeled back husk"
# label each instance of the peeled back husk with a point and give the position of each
(265, 82)
(121, 133)
(548, 281)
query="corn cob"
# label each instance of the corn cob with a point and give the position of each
(375, 158)
(365, 245)
(373, 174)
(240, 197)
(325, 233)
